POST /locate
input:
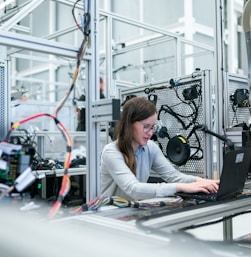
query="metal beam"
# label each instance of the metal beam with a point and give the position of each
(21, 14)
(37, 44)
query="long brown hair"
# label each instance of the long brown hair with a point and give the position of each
(135, 109)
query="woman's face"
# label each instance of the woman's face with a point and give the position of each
(143, 131)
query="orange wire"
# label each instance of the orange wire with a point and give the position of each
(65, 187)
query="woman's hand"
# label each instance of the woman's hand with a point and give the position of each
(201, 185)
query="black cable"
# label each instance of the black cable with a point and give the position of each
(191, 103)
(191, 117)
(228, 142)
(215, 221)
(170, 111)
(234, 108)
(198, 148)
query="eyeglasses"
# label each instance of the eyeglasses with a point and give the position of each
(147, 128)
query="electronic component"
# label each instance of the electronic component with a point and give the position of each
(178, 150)
(13, 162)
(240, 97)
(190, 93)
(24, 180)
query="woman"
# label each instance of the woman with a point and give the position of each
(126, 163)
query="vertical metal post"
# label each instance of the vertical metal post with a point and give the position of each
(246, 20)
(5, 97)
(208, 113)
(93, 155)
(219, 73)
(228, 230)
(40, 145)
(109, 56)
(177, 60)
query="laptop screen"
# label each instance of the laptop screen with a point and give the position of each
(236, 166)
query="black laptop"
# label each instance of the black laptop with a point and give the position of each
(236, 166)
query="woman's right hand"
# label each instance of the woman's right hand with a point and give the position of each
(202, 185)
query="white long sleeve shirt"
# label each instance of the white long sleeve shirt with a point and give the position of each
(118, 180)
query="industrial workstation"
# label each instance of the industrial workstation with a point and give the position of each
(125, 127)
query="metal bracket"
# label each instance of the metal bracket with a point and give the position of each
(105, 110)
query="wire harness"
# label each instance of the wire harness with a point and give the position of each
(117, 201)
(65, 186)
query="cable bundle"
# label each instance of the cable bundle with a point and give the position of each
(63, 192)
(66, 181)
(65, 187)
(123, 203)
(171, 202)
(94, 204)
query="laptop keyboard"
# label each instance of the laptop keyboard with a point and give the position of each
(206, 197)
(200, 196)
